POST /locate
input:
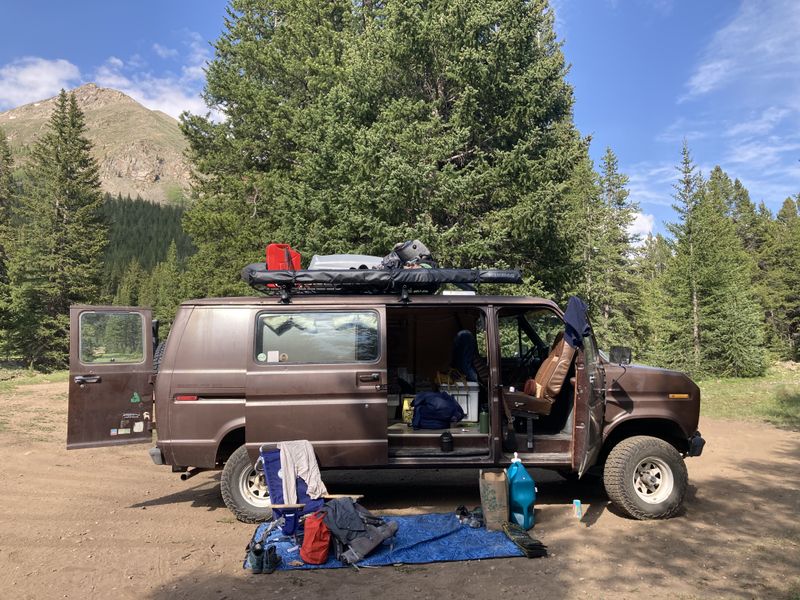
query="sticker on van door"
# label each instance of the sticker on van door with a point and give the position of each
(136, 398)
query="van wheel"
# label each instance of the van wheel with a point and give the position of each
(244, 489)
(646, 478)
(158, 354)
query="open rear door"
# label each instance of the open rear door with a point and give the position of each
(110, 376)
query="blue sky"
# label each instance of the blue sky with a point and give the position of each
(723, 74)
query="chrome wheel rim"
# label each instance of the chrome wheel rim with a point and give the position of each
(653, 480)
(253, 487)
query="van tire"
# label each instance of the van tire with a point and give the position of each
(158, 354)
(248, 507)
(646, 478)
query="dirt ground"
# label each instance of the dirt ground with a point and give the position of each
(108, 523)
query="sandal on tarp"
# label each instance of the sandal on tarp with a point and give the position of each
(532, 547)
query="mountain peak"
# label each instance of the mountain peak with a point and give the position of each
(139, 151)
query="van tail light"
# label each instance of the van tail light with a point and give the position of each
(185, 398)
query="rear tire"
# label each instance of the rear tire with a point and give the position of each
(158, 354)
(244, 489)
(646, 478)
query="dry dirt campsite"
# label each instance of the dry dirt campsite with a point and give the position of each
(107, 523)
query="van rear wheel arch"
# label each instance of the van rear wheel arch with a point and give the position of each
(229, 443)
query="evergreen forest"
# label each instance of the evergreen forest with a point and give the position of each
(352, 125)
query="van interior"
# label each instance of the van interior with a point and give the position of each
(421, 352)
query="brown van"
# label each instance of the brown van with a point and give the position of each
(236, 373)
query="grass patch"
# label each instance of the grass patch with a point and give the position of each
(774, 398)
(11, 377)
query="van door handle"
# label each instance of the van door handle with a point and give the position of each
(81, 379)
(367, 377)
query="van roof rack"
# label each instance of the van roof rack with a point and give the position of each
(285, 283)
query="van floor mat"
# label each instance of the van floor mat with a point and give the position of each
(532, 547)
(437, 537)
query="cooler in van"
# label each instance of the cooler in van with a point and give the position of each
(466, 394)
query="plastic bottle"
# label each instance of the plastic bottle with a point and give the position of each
(521, 494)
(483, 421)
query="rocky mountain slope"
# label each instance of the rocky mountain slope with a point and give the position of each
(140, 151)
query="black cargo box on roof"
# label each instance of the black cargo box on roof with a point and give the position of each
(370, 281)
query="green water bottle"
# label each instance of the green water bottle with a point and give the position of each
(483, 421)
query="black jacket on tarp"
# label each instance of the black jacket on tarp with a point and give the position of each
(343, 518)
(357, 530)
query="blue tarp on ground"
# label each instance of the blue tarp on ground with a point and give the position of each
(420, 539)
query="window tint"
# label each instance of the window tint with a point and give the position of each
(111, 337)
(317, 337)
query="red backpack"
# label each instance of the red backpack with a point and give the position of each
(316, 540)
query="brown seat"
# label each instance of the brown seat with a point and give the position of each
(541, 392)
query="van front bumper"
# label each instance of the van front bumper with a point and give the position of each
(696, 443)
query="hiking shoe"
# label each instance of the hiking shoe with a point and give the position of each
(255, 557)
(271, 560)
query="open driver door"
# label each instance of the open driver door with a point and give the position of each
(589, 389)
(110, 376)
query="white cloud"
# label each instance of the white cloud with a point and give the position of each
(683, 129)
(199, 54)
(709, 76)
(642, 225)
(168, 92)
(761, 125)
(650, 183)
(762, 153)
(31, 78)
(759, 46)
(164, 52)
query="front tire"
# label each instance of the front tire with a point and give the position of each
(646, 478)
(244, 489)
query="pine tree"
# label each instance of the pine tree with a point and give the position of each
(652, 344)
(781, 258)
(616, 307)
(55, 256)
(731, 319)
(7, 189)
(162, 290)
(127, 293)
(683, 308)
(352, 125)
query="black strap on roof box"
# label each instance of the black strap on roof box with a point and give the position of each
(369, 281)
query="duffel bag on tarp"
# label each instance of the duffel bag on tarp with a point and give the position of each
(435, 410)
(316, 540)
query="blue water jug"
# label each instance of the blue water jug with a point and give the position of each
(521, 493)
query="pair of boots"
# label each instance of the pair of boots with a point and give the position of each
(472, 518)
(261, 560)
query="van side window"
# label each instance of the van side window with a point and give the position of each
(317, 337)
(111, 337)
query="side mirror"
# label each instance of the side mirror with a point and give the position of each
(620, 355)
